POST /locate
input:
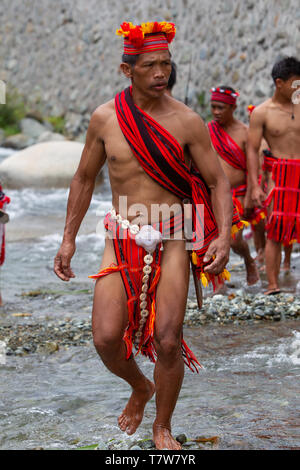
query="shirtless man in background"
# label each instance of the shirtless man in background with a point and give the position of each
(278, 121)
(149, 70)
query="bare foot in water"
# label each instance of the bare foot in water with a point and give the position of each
(163, 438)
(252, 273)
(132, 415)
(286, 267)
(260, 258)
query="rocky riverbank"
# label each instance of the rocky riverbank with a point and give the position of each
(23, 336)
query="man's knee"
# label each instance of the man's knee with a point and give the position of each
(167, 345)
(237, 242)
(106, 342)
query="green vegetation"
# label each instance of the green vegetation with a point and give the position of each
(92, 447)
(11, 113)
(58, 123)
(37, 293)
(201, 98)
(204, 108)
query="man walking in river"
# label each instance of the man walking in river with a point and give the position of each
(149, 140)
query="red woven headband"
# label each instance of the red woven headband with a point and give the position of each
(152, 42)
(225, 96)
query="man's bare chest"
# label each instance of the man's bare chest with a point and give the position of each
(119, 151)
(281, 124)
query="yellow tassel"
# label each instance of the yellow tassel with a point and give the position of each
(194, 258)
(245, 223)
(204, 279)
(226, 275)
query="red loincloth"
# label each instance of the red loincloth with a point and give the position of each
(283, 224)
(130, 263)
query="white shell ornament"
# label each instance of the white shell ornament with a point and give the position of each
(148, 238)
(134, 229)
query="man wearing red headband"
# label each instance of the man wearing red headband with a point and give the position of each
(229, 136)
(158, 153)
(278, 121)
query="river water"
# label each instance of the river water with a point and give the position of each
(247, 393)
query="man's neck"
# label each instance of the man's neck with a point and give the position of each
(229, 123)
(145, 102)
(280, 99)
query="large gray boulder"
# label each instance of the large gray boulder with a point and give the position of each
(47, 164)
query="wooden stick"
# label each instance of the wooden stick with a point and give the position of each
(188, 235)
(197, 283)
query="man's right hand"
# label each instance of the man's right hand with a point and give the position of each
(62, 261)
(257, 196)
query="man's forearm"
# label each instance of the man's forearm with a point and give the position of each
(81, 191)
(221, 199)
(252, 167)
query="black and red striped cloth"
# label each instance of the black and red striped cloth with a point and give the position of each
(226, 147)
(283, 224)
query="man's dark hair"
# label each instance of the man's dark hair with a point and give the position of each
(223, 87)
(173, 76)
(130, 59)
(286, 68)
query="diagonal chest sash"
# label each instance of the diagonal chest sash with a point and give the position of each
(162, 158)
(226, 147)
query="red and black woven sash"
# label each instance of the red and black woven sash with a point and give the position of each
(226, 147)
(162, 158)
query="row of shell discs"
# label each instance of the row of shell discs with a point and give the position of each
(125, 224)
(143, 297)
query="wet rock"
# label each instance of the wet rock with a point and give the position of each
(259, 312)
(48, 347)
(17, 141)
(146, 444)
(136, 448)
(181, 438)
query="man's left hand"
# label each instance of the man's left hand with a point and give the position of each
(218, 253)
